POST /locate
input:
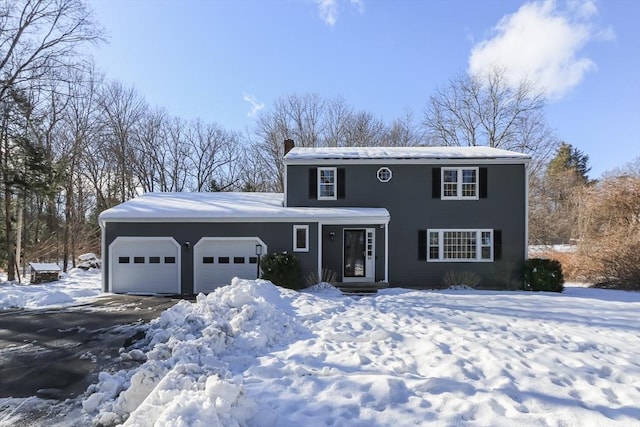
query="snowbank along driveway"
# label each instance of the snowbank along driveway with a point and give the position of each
(257, 355)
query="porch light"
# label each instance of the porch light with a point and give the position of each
(258, 249)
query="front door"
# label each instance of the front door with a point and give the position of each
(359, 256)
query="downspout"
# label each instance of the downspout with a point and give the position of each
(386, 252)
(103, 254)
(320, 251)
(526, 211)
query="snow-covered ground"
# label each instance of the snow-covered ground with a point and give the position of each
(76, 287)
(254, 354)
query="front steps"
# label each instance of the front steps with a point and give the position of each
(360, 288)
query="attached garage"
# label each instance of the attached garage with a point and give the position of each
(191, 243)
(145, 265)
(217, 260)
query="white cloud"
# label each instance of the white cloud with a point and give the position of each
(255, 104)
(329, 9)
(541, 42)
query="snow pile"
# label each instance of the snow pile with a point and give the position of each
(194, 354)
(76, 287)
(256, 355)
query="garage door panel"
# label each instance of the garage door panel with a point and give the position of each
(218, 261)
(145, 265)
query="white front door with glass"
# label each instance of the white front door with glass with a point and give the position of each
(359, 255)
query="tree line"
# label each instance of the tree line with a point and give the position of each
(74, 142)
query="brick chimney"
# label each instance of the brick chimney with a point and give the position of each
(288, 145)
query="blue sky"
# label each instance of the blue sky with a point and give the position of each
(223, 61)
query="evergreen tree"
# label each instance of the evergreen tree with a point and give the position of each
(569, 159)
(565, 177)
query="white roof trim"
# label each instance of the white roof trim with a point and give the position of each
(351, 155)
(386, 162)
(233, 207)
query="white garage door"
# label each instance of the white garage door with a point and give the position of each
(144, 265)
(217, 260)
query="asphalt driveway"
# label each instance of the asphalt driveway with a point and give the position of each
(57, 354)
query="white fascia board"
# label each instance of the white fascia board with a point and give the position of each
(271, 219)
(443, 161)
(356, 221)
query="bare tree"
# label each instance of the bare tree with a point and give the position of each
(489, 110)
(337, 116)
(311, 122)
(80, 128)
(404, 132)
(149, 150)
(123, 108)
(213, 155)
(365, 130)
(38, 40)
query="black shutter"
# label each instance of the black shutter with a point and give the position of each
(483, 183)
(435, 183)
(422, 245)
(313, 183)
(497, 244)
(341, 184)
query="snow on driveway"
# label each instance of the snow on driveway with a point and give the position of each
(76, 287)
(254, 354)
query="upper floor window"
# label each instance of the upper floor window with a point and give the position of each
(460, 245)
(327, 184)
(460, 183)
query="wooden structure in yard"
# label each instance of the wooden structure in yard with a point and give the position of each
(44, 272)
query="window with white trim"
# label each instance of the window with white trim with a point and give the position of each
(301, 238)
(460, 183)
(460, 245)
(327, 184)
(384, 174)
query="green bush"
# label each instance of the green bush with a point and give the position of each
(281, 268)
(543, 275)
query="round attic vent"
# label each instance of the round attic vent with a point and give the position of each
(384, 174)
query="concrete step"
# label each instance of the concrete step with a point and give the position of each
(361, 288)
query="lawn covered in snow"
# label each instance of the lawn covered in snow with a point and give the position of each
(76, 287)
(254, 354)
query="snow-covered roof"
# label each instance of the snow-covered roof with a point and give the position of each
(304, 154)
(230, 207)
(44, 266)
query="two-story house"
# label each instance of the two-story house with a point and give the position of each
(405, 216)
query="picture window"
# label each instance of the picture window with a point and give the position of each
(460, 245)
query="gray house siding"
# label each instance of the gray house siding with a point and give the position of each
(277, 236)
(409, 198)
